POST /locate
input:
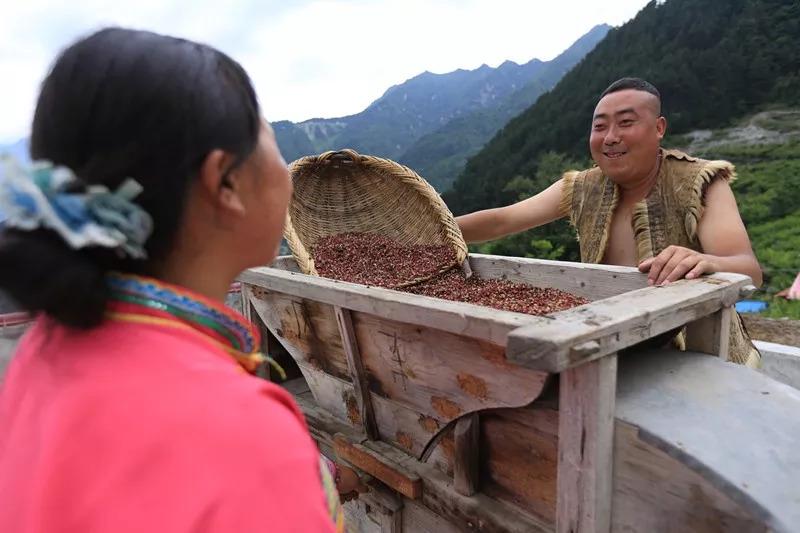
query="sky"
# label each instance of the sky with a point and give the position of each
(307, 59)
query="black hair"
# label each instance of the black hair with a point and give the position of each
(117, 104)
(637, 84)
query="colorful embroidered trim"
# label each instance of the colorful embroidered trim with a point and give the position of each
(146, 300)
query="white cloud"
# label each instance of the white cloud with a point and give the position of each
(307, 58)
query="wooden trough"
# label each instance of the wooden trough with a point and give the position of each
(472, 419)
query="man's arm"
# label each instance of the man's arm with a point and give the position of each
(723, 238)
(532, 212)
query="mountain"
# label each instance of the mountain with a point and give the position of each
(713, 62)
(407, 112)
(441, 155)
(17, 150)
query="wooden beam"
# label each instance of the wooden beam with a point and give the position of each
(344, 319)
(591, 281)
(711, 334)
(588, 332)
(585, 447)
(379, 466)
(467, 454)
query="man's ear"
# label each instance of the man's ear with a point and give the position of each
(219, 182)
(661, 127)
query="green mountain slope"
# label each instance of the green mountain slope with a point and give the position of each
(712, 61)
(441, 155)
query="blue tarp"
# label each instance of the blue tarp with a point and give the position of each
(750, 306)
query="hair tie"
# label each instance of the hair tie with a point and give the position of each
(36, 197)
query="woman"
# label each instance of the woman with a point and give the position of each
(127, 407)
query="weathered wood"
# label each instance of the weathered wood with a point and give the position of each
(393, 474)
(437, 374)
(585, 447)
(654, 490)
(467, 454)
(465, 513)
(460, 318)
(388, 505)
(477, 512)
(397, 425)
(418, 518)
(519, 451)
(673, 470)
(585, 333)
(590, 281)
(359, 517)
(711, 334)
(392, 522)
(357, 374)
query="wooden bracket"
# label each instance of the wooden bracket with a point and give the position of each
(350, 344)
(467, 454)
(711, 334)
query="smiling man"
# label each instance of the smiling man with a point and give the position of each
(668, 213)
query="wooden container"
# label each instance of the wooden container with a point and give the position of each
(472, 419)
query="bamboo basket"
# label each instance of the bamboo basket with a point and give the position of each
(344, 191)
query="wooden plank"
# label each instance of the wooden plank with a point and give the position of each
(388, 505)
(585, 447)
(307, 329)
(590, 281)
(588, 332)
(418, 518)
(379, 466)
(439, 374)
(467, 454)
(519, 457)
(711, 334)
(455, 317)
(358, 519)
(357, 374)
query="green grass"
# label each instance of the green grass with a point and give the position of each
(782, 308)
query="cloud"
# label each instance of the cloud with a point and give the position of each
(306, 58)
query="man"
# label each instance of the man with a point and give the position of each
(672, 215)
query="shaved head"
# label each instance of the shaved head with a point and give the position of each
(637, 84)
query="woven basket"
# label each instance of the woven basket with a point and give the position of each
(343, 191)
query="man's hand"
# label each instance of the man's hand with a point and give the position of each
(677, 262)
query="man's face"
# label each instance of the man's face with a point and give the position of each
(626, 134)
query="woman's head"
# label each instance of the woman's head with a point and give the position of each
(180, 118)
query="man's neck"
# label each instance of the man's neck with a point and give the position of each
(638, 190)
